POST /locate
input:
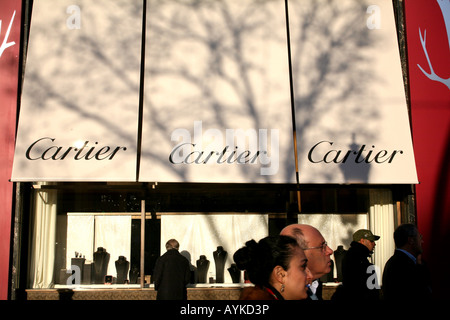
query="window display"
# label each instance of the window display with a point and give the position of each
(92, 239)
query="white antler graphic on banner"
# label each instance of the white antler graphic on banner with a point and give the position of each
(445, 9)
(5, 43)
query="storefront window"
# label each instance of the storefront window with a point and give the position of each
(101, 245)
(89, 235)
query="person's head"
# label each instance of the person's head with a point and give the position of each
(172, 244)
(314, 245)
(407, 237)
(366, 238)
(276, 261)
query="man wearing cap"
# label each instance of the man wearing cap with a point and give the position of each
(356, 269)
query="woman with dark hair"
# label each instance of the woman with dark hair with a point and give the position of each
(277, 266)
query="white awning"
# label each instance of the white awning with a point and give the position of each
(218, 96)
(79, 112)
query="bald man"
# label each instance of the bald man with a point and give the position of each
(316, 249)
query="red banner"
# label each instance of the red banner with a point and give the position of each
(10, 28)
(428, 32)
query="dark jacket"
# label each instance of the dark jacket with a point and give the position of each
(405, 280)
(355, 273)
(171, 275)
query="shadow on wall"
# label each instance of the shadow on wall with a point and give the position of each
(210, 53)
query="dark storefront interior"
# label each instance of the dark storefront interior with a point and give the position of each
(278, 201)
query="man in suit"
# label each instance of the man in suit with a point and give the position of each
(405, 276)
(171, 274)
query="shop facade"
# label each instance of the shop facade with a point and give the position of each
(209, 122)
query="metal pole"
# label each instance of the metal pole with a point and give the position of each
(142, 272)
(294, 124)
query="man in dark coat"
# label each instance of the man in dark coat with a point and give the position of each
(171, 274)
(359, 280)
(405, 276)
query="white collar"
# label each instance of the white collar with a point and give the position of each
(314, 286)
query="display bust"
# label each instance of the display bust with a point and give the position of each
(220, 256)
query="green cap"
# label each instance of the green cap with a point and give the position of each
(364, 234)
